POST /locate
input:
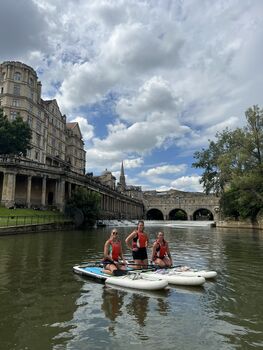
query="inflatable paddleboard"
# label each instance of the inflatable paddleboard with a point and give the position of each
(187, 271)
(133, 280)
(173, 278)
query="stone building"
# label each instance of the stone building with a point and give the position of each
(54, 141)
(55, 164)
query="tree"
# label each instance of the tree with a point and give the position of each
(233, 167)
(15, 136)
(86, 201)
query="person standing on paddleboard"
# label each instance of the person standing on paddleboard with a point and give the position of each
(161, 255)
(112, 253)
(138, 241)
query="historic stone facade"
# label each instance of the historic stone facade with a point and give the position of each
(54, 141)
(55, 164)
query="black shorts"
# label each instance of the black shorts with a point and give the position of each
(140, 254)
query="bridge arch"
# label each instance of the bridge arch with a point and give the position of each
(203, 214)
(177, 214)
(154, 214)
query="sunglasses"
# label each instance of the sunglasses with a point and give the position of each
(114, 232)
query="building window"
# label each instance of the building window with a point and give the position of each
(14, 115)
(31, 94)
(37, 155)
(30, 121)
(39, 126)
(2, 90)
(16, 89)
(17, 76)
(38, 140)
(15, 103)
(31, 81)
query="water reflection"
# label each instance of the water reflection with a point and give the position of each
(112, 302)
(137, 308)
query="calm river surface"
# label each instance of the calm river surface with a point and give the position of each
(44, 305)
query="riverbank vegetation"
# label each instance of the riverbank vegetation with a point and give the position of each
(84, 207)
(15, 135)
(233, 167)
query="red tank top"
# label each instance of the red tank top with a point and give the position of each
(161, 249)
(115, 250)
(140, 240)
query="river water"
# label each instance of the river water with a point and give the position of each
(44, 305)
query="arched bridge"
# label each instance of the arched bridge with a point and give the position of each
(179, 205)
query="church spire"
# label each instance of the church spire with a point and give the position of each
(122, 181)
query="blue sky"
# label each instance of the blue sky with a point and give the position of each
(148, 81)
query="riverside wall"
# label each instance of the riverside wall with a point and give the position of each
(13, 230)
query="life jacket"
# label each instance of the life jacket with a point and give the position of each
(161, 249)
(140, 240)
(115, 250)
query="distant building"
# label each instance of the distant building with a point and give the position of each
(54, 141)
(107, 179)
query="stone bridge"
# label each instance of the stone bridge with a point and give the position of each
(179, 205)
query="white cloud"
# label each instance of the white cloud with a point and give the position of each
(179, 72)
(188, 183)
(87, 130)
(164, 169)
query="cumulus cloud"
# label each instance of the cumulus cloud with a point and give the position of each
(164, 169)
(22, 29)
(174, 72)
(87, 130)
(188, 183)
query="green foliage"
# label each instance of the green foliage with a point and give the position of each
(86, 201)
(233, 167)
(15, 135)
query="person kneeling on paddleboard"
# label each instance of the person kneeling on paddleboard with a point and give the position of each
(112, 253)
(137, 241)
(161, 253)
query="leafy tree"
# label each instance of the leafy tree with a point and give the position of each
(15, 135)
(86, 201)
(233, 167)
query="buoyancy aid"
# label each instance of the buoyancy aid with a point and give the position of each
(161, 249)
(140, 240)
(115, 249)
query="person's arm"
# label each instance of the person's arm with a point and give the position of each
(106, 250)
(147, 241)
(169, 254)
(129, 238)
(121, 255)
(153, 251)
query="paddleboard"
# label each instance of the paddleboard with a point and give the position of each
(173, 278)
(133, 280)
(187, 271)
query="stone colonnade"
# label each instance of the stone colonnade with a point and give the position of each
(40, 189)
